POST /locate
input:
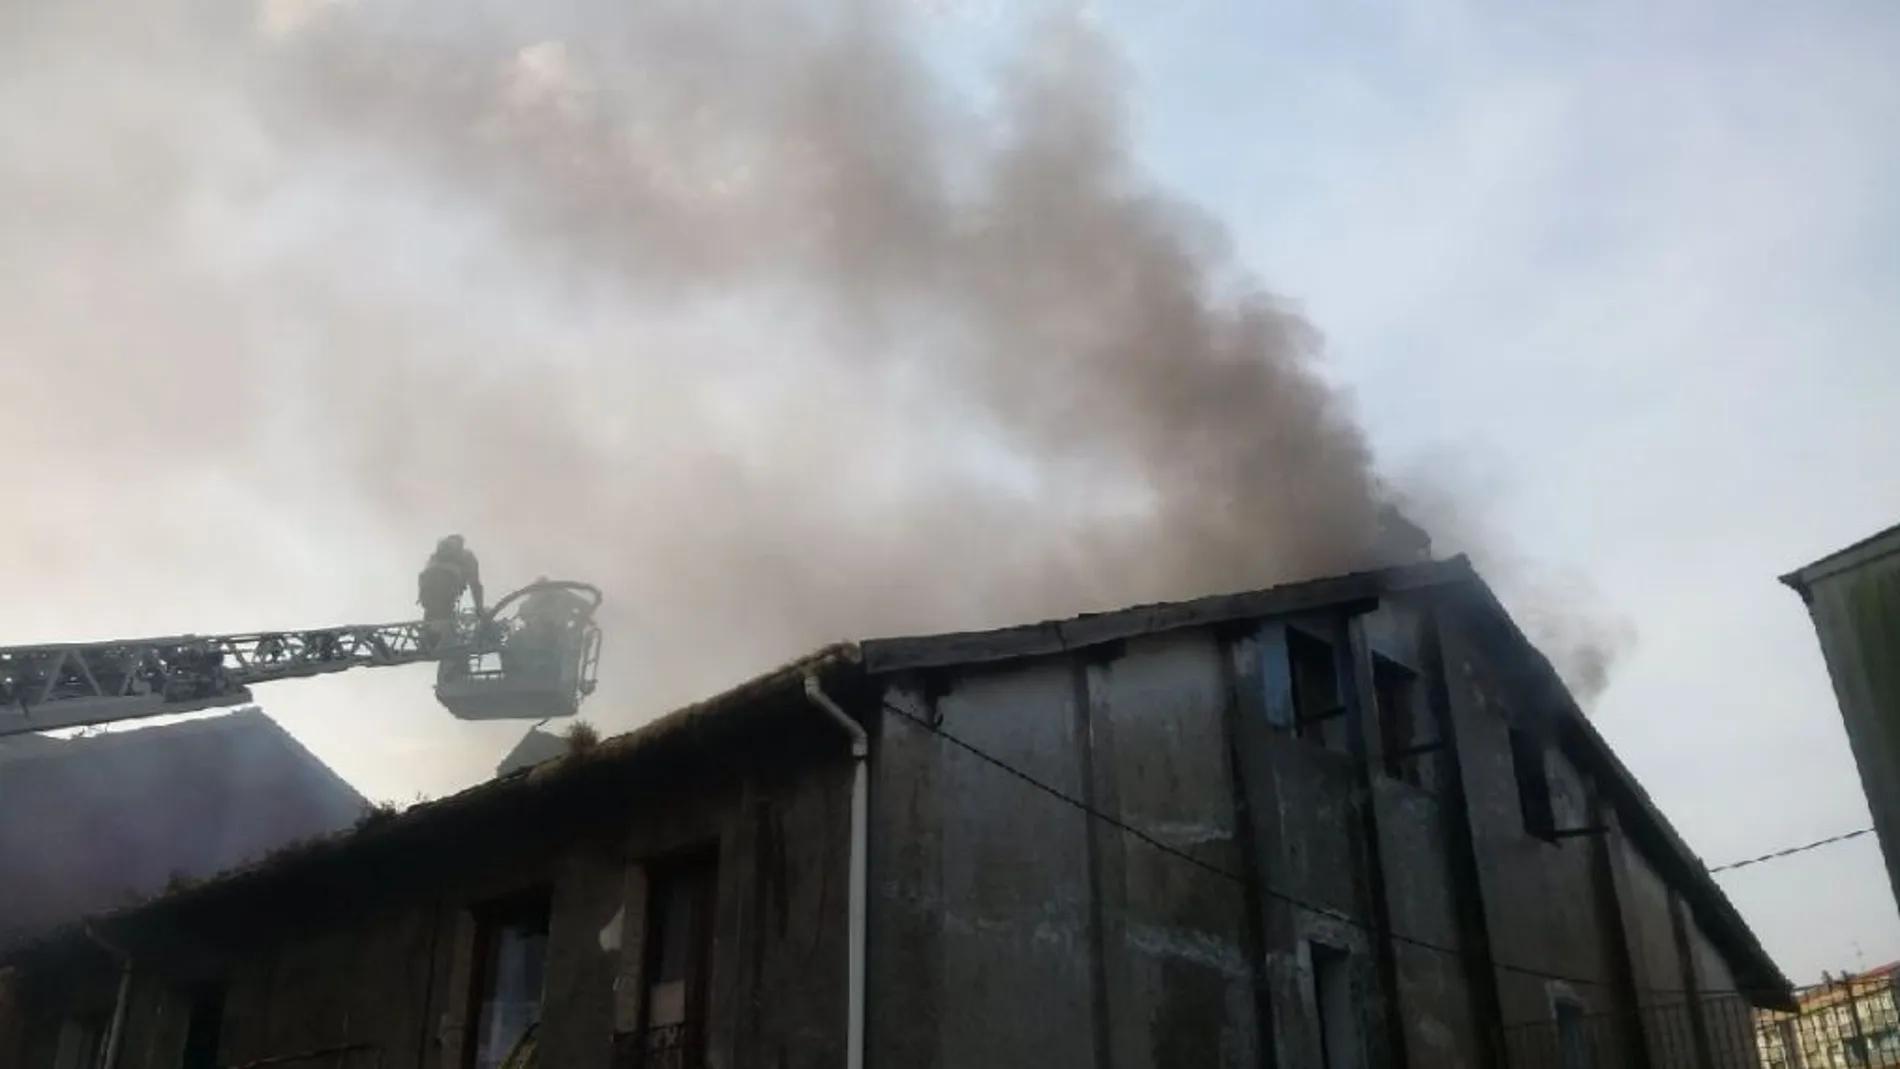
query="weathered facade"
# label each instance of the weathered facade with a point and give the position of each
(1351, 824)
(1853, 597)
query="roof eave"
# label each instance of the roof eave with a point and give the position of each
(1054, 637)
(1804, 577)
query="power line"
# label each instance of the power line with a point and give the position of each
(1096, 814)
(1206, 866)
(1793, 850)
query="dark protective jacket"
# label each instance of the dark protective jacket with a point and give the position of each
(448, 573)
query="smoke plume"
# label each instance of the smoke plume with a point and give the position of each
(732, 309)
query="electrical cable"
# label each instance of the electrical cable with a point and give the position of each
(1280, 896)
(1793, 850)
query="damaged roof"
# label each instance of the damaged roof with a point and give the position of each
(713, 718)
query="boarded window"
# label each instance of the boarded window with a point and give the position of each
(511, 962)
(1314, 669)
(1395, 689)
(1336, 1009)
(680, 904)
(1533, 784)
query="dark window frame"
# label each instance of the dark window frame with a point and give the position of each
(1530, 761)
(204, 1026)
(1398, 720)
(532, 908)
(696, 872)
(1332, 964)
(79, 1041)
(1315, 713)
(1576, 1051)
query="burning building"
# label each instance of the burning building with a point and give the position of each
(1354, 822)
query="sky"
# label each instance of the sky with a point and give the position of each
(1620, 273)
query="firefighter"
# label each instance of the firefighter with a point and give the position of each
(451, 570)
(548, 614)
(552, 607)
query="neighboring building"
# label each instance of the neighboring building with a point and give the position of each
(1849, 1022)
(1353, 823)
(95, 822)
(1853, 596)
(534, 748)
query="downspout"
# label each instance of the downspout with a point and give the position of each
(115, 1032)
(860, 841)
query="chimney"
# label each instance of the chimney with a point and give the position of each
(1400, 541)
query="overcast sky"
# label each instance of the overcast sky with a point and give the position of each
(1636, 268)
(1622, 272)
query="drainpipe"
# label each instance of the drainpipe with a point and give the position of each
(860, 839)
(115, 1032)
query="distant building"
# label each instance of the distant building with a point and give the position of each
(94, 822)
(1847, 1022)
(1853, 597)
(534, 748)
(1351, 823)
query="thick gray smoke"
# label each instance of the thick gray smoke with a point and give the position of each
(727, 307)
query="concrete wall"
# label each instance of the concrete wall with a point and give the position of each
(1586, 917)
(390, 987)
(1545, 917)
(1010, 929)
(983, 941)
(1728, 1019)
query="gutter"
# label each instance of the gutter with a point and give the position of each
(860, 841)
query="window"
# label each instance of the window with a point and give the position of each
(1533, 784)
(1336, 1009)
(511, 947)
(1315, 677)
(1395, 688)
(203, 1028)
(1573, 1032)
(78, 1044)
(680, 901)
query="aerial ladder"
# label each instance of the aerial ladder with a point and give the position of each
(532, 656)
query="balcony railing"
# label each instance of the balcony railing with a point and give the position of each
(1837, 1028)
(673, 1046)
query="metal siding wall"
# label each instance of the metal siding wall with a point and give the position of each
(1856, 615)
